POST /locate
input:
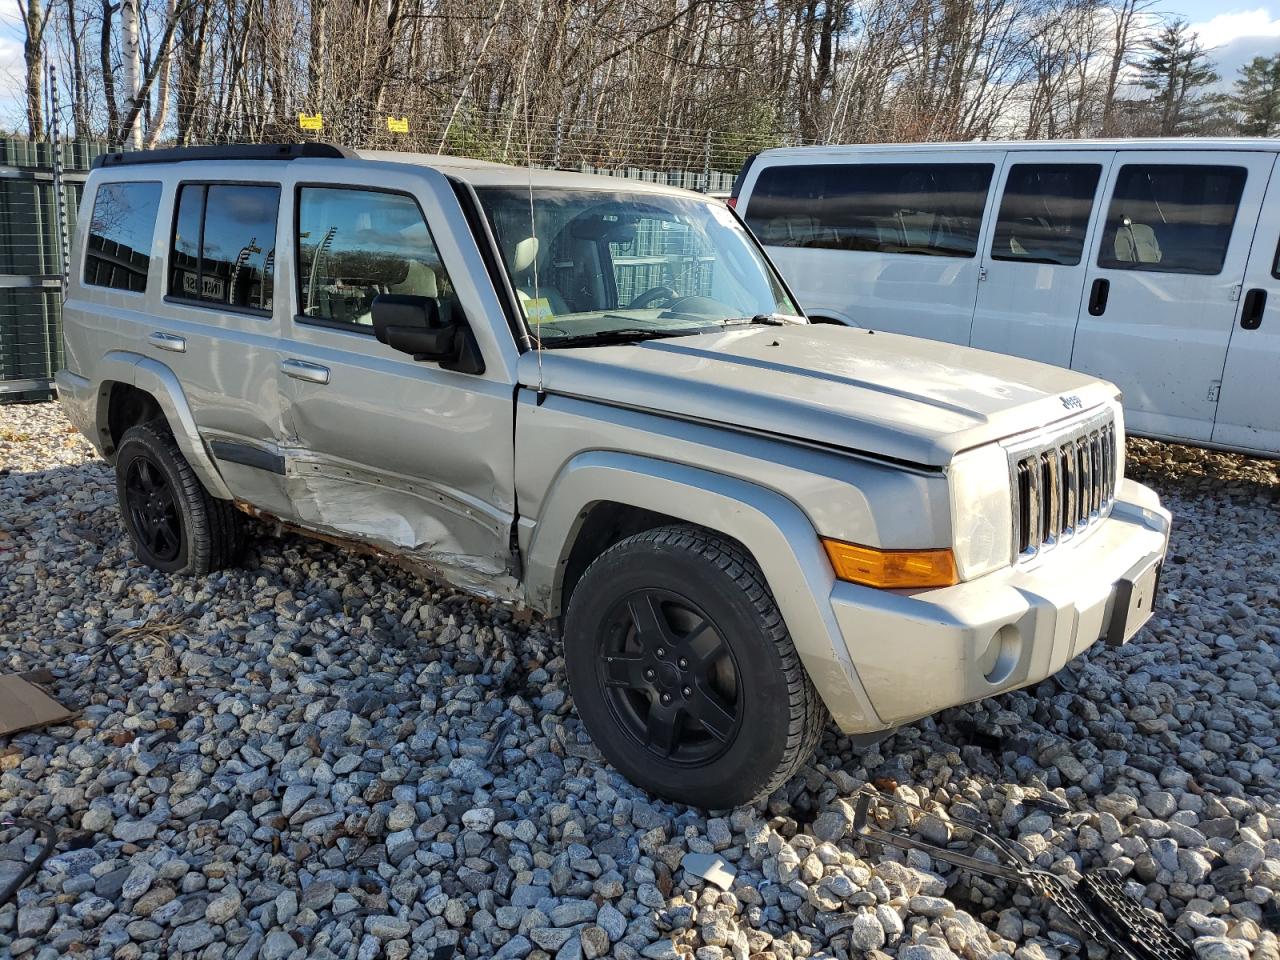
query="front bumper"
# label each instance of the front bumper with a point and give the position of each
(917, 653)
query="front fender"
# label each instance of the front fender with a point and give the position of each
(772, 528)
(146, 373)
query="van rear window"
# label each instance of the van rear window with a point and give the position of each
(927, 209)
(118, 251)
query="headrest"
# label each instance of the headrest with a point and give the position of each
(525, 253)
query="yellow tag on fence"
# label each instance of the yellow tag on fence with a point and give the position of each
(313, 121)
(398, 124)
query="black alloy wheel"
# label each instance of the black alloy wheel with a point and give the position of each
(153, 512)
(683, 671)
(175, 525)
(670, 679)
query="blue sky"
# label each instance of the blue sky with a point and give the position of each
(1238, 30)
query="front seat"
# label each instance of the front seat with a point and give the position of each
(522, 260)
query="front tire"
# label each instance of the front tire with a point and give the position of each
(683, 671)
(175, 525)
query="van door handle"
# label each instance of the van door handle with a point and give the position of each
(168, 341)
(1098, 297)
(1255, 303)
(302, 370)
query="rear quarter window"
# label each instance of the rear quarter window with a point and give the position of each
(118, 249)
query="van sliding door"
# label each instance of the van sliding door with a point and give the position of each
(1163, 279)
(1035, 252)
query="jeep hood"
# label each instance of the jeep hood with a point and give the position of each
(893, 396)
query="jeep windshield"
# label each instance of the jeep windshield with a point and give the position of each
(594, 267)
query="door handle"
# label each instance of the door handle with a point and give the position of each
(167, 341)
(302, 370)
(1098, 297)
(1255, 303)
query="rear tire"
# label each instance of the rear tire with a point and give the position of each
(175, 525)
(683, 671)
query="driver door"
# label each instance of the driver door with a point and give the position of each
(386, 450)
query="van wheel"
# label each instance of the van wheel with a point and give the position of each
(175, 525)
(683, 671)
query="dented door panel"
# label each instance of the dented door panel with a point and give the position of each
(401, 457)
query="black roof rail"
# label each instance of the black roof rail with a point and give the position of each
(230, 151)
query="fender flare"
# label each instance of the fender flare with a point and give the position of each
(152, 376)
(773, 529)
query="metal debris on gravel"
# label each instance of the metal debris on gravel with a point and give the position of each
(318, 756)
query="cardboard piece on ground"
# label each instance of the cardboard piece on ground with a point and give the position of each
(24, 705)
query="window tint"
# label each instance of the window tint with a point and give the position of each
(224, 244)
(356, 244)
(1044, 212)
(118, 251)
(913, 208)
(1171, 219)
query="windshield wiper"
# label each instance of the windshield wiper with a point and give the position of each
(606, 337)
(767, 319)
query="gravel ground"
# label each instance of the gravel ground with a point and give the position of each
(319, 756)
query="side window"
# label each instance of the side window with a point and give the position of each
(224, 244)
(355, 244)
(927, 209)
(118, 251)
(1044, 212)
(1171, 218)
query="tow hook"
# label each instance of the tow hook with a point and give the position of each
(1097, 903)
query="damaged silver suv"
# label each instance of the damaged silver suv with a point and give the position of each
(596, 399)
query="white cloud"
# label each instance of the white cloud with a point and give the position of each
(1237, 37)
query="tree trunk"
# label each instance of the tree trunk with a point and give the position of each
(33, 52)
(132, 55)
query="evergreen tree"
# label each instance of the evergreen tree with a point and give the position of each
(1176, 70)
(1256, 97)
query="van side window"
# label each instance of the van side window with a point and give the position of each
(224, 245)
(118, 251)
(930, 209)
(355, 244)
(1171, 218)
(1044, 212)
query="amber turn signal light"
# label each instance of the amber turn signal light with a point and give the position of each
(891, 568)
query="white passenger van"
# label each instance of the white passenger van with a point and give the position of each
(1146, 262)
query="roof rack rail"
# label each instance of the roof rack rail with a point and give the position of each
(230, 151)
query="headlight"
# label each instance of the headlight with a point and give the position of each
(981, 521)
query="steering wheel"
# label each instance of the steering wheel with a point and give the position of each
(653, 293)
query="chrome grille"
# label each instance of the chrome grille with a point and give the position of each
(1062, 483)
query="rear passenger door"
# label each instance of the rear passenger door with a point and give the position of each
(219, 329)
(403, 455)
(885, 241)
(1163, 282)
(1035, 253)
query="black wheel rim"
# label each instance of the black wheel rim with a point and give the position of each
(153, 511)
(670, 678)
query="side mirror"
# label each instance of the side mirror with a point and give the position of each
(412, 324)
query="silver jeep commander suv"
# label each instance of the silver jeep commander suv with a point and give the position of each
(596, 399)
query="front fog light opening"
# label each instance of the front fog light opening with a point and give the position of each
(1002, 654)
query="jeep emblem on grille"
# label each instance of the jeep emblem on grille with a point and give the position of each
(1072, 402)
